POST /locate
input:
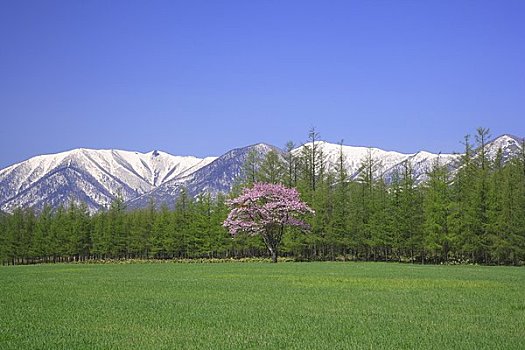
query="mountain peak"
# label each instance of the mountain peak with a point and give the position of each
(96, 176)
(91, 176)
(262, 146)
(509, 138)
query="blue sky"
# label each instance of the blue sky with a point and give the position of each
(202, 77)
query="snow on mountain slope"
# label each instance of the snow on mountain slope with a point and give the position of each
(95, 174)
(386, 162)
(509, 145)
(217, 176)
(353, 156)
(421, 163)
(220, 175)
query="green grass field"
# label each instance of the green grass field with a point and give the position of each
(261, 305)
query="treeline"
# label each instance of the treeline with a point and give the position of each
(475, 214)
(472, 214)
(193, 230)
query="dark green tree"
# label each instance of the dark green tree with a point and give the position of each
(438, 239)
(272, 168)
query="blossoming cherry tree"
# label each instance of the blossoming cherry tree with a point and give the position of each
(266, 210)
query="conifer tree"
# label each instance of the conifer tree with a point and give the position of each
(378, 234)
(291, 166)
(161, 239)
(135, 227)
(310, 165)
(411, 219)
(117, 228)
(3, 238)
(272, 169)
(322, 241)
(462, 218)
(313, 138)
(341, 211)
(365, 202)
(251, 167)
(42, 240)
(221, 238)
(98, 248)
(183, 242)
(481, 198)
(506, 215)
(436, 208)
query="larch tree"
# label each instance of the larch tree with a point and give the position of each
(462, 216)
(266, 210)
(482, 190)
(3, 238)
(272, 168)
(251, 167)
(436, 207)
(367, 205)
(340, 217)
(291, 165)
(313, 138)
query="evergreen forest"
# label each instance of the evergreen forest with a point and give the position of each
(474, 213)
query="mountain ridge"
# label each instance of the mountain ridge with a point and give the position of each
(97, 177)
(103, 174)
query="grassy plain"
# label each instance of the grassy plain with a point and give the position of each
(261, 305)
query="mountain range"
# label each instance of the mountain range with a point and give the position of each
(97, 177)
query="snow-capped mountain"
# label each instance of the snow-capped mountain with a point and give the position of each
(95, 177)
(385, 163)
(509, 145)
(217, 176)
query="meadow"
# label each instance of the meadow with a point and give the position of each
(261, 305)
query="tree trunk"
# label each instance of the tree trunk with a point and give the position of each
(274, 255)
(272, 244)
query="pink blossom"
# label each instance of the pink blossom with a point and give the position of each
(266, 209)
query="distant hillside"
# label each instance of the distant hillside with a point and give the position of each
(97, 177)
